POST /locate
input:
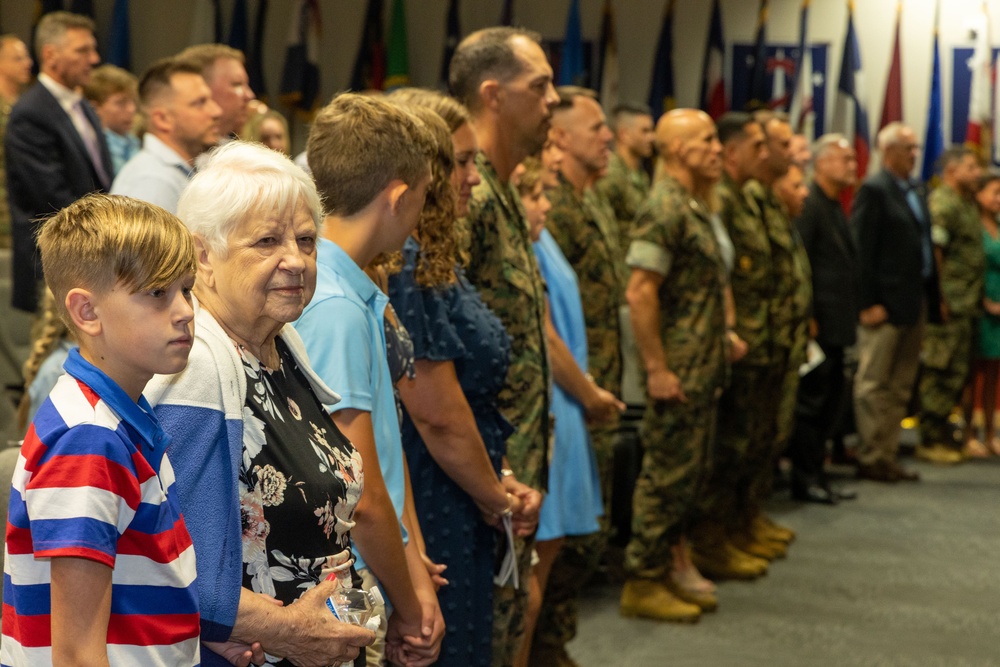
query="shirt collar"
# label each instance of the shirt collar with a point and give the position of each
(333, 255)
(137, 415)
(66, 97)
(153, 145)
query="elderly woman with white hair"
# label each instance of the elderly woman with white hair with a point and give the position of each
(268, 483)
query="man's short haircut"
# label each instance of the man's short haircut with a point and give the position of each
(8, 38)
(108, 80)
(765, 116)
(485, 54)
(953, 155)
(358, 145)
(204, 57)
(827, 142)
(568, 94)
(448, 108)
(626, 111)
(100, 241)
(732, 126)
(156, 80)
(53, 26)
(889, 135)
(239, 181)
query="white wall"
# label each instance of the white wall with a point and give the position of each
(161, 27)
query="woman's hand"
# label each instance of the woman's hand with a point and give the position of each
(603, 406)
(434, 570)
(525, 520)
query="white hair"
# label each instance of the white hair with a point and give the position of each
(240, 180)
(889, 135)
(828, 141)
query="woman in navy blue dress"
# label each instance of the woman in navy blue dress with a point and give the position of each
(453, 433)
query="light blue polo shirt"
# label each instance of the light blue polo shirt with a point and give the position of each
(343, 328)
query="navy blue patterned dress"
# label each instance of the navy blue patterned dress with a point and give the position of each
(453, 324)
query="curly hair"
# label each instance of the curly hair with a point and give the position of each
(436, 228)
(53, 332)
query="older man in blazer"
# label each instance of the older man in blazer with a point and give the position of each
(899, 292)
(56, 151)
(834, 261)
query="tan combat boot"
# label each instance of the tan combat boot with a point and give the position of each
(722, 560)
(761, 548)
(706, 600)
(764, 528)
(644, 598)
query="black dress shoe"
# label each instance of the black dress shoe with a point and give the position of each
(878, 472)
(905, 474)
(815, 493)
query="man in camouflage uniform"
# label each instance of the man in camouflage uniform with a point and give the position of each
(791, 300)
(745, 438)
(677, 293)
(626, 184)
(947, 348)
(505, 80)
(584, 226)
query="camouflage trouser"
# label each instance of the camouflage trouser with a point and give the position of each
(946, 358)
(509, 606)
(743, 447)
(676, 438)
(785, 383)
(579, 557)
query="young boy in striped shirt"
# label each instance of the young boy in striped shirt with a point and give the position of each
(99, 568)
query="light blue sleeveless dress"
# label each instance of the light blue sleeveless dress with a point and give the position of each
(573, 503)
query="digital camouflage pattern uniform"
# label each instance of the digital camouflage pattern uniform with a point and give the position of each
(745, 437)
(503, 268)
(673, 237)
(585, 229)
(947, 348)
(624, 189)
(791, 307)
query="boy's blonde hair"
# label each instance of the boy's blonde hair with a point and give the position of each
(108, 80)
(100, 241)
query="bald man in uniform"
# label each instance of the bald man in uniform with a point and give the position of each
(678, 298)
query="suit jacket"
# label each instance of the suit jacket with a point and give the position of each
(890, 251)
(834, 260)
(48, 168)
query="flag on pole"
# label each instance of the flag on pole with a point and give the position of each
(978, 132)
(397, 67)
(255, 54)
(934, 138)
(507, 13)
(713, 83)
(300, 75)
(369, 65)
(760, 92)
(850, 116)
(892, 107)
(120, 37)
(608, 71)
(238, 26)
(800, 109)
(661, 89)
(571, 70)
(453, 35)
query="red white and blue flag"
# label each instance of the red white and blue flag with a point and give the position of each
(850, 116)
(713, 84)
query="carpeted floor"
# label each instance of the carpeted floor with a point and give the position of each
(907, 574)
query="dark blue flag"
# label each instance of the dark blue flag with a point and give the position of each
(661, 88)
(571, 68)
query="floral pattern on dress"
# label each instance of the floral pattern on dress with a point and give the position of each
(299, 482)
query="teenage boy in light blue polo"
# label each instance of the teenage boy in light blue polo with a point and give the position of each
(370, 160)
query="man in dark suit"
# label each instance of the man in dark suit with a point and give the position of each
(899, 292)
(833, 257)
(56, 151)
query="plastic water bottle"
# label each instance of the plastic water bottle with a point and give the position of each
(355, 606)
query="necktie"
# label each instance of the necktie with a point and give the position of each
(89, 137)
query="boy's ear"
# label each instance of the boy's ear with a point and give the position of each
(206, 275)
(80, 304)
(396, 189)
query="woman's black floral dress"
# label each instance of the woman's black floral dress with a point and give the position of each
(300, 480)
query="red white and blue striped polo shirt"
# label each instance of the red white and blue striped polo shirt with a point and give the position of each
(92, 481)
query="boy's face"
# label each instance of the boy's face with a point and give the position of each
(142, 334)
(117, 112)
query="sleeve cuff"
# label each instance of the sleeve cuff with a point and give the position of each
(649, 256)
